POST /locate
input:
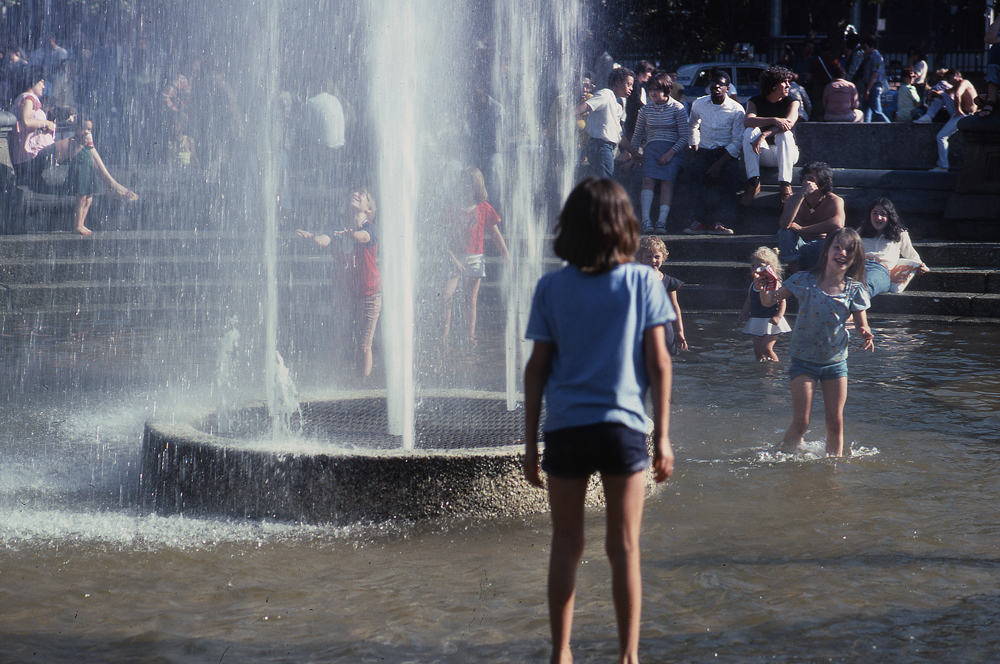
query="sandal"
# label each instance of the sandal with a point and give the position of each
(986, 110)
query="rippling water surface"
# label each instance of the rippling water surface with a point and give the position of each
(887, 556)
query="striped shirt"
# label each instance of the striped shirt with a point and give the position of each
(663, 122)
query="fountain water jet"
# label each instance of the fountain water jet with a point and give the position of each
(415, 109)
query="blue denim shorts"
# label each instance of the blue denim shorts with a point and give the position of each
(819, 372)
(608, 448)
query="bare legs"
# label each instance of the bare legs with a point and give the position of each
(447, 297)
(65, 151)
(368, 310)
(80, 214)
(471, 304)
(834, 398)
(625, 497)
(763, 348)
(566, 498)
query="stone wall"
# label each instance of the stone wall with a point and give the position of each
(877, 145)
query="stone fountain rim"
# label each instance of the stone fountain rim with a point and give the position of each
(188, 431)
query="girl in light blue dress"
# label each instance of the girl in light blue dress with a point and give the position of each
(829, 294)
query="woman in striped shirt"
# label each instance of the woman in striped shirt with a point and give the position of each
(663, 132)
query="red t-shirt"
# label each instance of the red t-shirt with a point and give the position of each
(468, 229)
(359, 273)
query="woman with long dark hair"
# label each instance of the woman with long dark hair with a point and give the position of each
(885, 241)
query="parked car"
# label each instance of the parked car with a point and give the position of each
(744, 74)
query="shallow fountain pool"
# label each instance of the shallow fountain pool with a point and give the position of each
(888, 556)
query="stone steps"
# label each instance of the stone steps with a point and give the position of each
(964, 280)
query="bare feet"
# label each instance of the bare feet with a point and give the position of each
(791, 447)
(127, 195)
(82, 230)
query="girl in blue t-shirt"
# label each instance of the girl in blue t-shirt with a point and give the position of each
(598, 331)
(828, 295)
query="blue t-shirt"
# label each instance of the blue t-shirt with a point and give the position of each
(820, 336)
(875, 64)
(596, 324)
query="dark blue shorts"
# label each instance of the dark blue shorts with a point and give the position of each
(608, 448)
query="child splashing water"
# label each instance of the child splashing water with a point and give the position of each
(828, 295)
(598, 331)
(353, 241)
(764, 323)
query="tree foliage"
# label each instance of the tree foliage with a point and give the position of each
(678, 31)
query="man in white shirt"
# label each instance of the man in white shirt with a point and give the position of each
(605, 117)
(716, 138)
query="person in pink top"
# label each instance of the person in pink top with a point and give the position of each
(840, 99)
(467, 225)
(34, 145)
(34, 148)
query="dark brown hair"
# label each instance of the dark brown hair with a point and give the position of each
(662, 82)
(618, 75)
(772, 77)
(856, 269)
(597, 228)
(822, 174)
(894, 227)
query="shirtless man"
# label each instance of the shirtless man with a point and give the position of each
(809, 214)
(963, 95)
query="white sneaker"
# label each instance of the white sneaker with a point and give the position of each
(923, 119)
(938, 169)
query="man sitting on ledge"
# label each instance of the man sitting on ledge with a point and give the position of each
(812, 212)
(768, 136)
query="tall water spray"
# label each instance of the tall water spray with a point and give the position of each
(414, 78)
(533, 184)
(430, 60)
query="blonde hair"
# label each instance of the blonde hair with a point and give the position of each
(472, 179)
(652, 243)
(768, 256)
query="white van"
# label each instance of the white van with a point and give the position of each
(745, 75)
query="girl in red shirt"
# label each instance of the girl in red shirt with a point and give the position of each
(466, 227)
(355, 250)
